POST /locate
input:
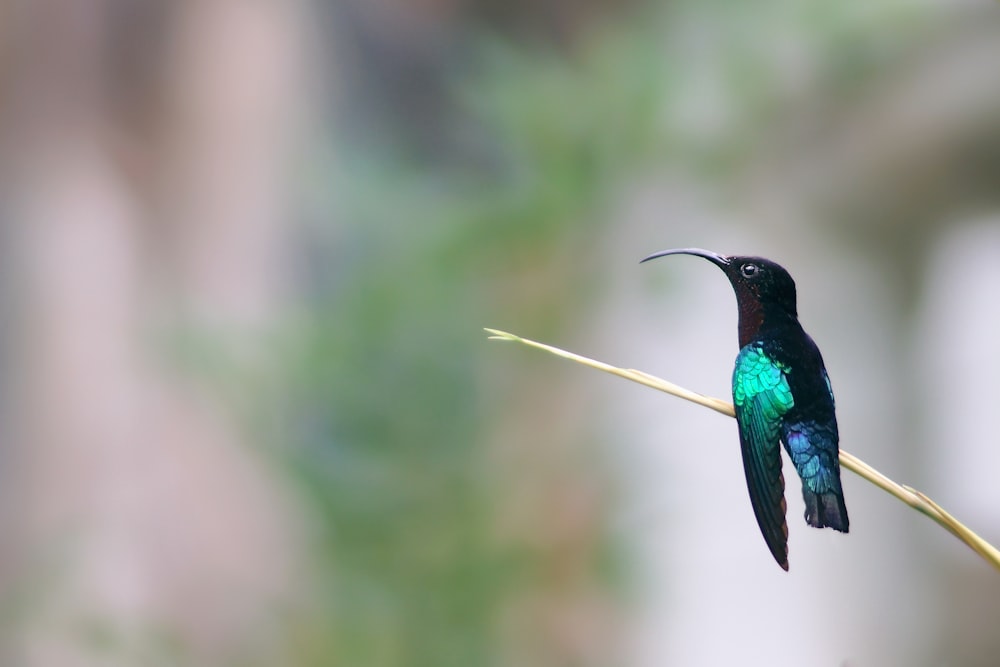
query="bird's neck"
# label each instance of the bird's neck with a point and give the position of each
(757, 319)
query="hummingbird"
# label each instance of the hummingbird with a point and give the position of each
(782, 393)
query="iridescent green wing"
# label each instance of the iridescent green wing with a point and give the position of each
(762, 397)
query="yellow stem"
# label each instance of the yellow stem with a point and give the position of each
(908, 495)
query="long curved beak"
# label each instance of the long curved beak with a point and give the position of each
(719, 260)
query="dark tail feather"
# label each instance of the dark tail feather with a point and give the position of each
(826, 510)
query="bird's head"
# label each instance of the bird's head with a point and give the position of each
(757, 281)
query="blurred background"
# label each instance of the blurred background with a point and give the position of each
(248, 414)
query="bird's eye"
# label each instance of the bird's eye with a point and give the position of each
(748, 270)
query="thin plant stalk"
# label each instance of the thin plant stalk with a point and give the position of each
(908, 495)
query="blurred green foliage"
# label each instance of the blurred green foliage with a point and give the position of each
(387, 403)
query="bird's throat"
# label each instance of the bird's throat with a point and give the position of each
(758, 320)
(751, 320)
